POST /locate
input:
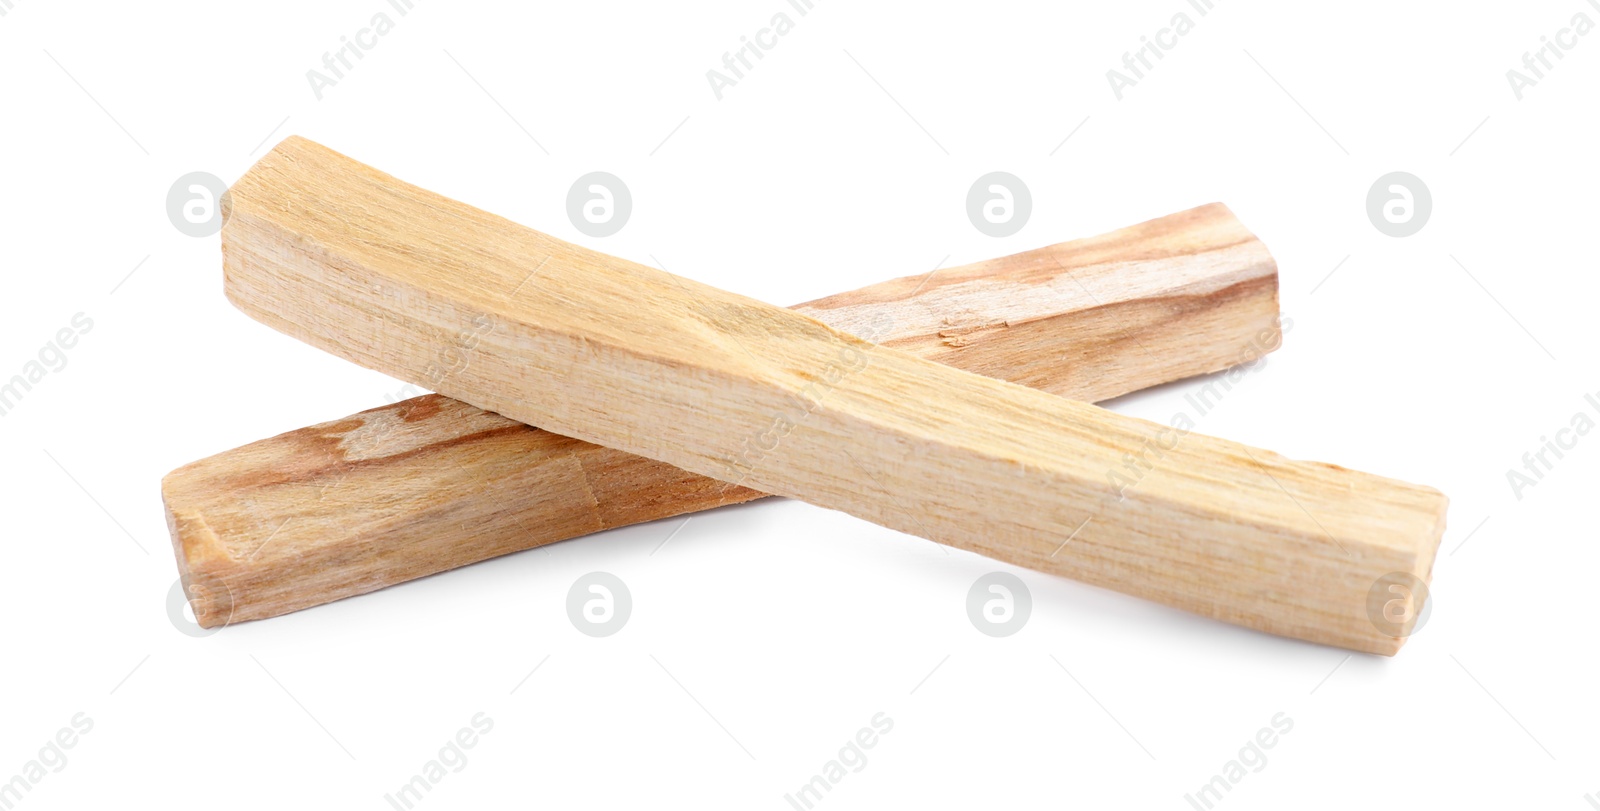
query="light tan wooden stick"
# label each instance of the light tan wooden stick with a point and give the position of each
(431, 483)
(602, 349)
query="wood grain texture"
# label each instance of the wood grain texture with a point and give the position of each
(430, 484)
(436, 292)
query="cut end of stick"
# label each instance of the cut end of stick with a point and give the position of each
(203, 563)
(1410, 608)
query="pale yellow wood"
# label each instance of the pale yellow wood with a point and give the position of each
(430, 484)
(615, 353)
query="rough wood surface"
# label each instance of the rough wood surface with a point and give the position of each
(511, 320)
(431, 484)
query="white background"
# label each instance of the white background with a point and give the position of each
(764, 636)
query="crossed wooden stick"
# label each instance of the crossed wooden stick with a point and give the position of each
(656, 396)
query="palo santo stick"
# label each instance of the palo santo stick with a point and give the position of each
(397, 278)
(431, 484)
